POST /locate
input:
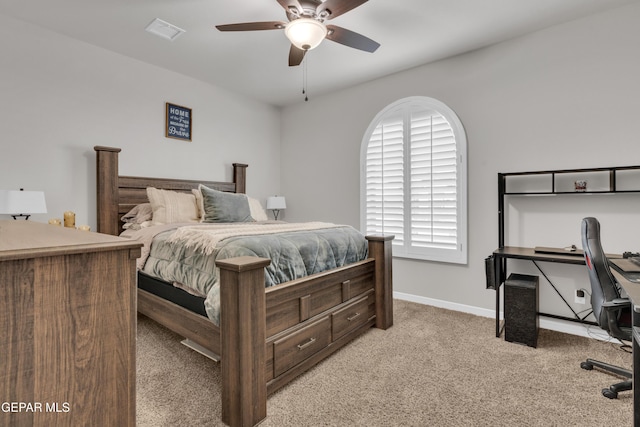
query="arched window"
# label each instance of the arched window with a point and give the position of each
(414, 180)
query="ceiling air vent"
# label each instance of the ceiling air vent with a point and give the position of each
(164, 29)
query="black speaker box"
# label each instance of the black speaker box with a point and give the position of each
(521, 309)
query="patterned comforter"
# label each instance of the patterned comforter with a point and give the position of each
(188, 261)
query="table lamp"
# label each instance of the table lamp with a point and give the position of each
(22, 203)
(276, 203)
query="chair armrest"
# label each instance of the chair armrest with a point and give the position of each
(613, 309)
(617, 303)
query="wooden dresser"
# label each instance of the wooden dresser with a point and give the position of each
(67, 326)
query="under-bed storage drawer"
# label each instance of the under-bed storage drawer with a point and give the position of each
(291, 350)
(350, 317)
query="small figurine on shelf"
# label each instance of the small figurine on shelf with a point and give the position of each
(581, 185)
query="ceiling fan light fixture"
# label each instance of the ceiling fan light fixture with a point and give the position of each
(305, 33)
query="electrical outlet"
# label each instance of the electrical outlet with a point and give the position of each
(580, 298)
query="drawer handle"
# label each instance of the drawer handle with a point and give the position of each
(307, 344)
(353, 317)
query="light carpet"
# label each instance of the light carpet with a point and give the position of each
(434, 367)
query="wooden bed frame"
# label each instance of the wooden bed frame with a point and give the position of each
(267, 336)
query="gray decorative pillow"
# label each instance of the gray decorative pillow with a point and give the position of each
(139, 214)
(225, 207)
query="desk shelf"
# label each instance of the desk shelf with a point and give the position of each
(618, 179)
(599, 181)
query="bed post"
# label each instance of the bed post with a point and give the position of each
(107, 189)
(243, 333)
(240, 177)
(380, 250)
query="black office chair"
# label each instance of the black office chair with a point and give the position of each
(612, 312)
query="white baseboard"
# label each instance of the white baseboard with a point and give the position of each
(559, 325)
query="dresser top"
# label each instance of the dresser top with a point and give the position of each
(21, 239)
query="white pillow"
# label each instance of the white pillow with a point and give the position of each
(199, 203)
(257, 212)
(172, 206)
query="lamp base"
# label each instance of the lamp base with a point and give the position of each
(26, 217)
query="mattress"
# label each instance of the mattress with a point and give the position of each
(171, 293)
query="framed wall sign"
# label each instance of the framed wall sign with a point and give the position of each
(178, 123)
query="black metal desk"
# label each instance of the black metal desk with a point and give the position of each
(632, 290)
(500, 257)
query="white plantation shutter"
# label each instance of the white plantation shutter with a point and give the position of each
(414, 180)
(433, 166)
(385, 179)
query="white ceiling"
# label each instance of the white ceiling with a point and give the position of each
(411, 33)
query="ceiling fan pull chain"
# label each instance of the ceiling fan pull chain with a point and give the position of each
(304, 79)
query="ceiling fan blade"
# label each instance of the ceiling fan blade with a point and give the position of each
(351, 39)
(253, 26)
(296, 56)
(338, 7)
(287, 4)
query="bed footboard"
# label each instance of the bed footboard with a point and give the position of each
(302, 323)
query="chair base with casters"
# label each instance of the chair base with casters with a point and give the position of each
(612, 391)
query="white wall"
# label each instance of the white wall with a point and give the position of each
(565, 97)
(61, 97)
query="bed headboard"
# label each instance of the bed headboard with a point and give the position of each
(117, 195)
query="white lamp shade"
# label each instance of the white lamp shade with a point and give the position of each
(14, 202)
(276, 202)
(305, 33)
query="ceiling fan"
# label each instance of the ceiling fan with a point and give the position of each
(306, 28)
